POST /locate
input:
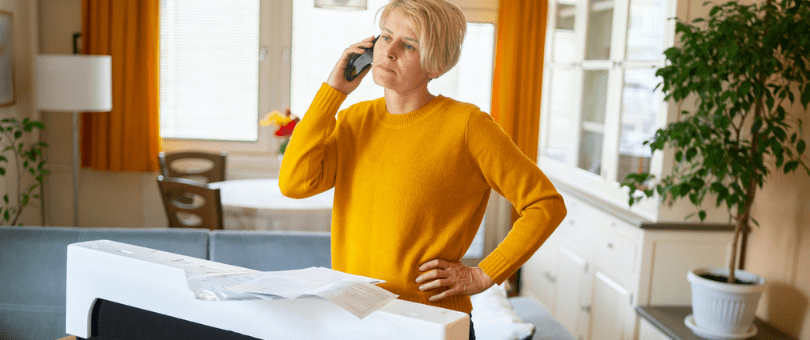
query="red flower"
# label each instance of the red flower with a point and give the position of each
(286, 130)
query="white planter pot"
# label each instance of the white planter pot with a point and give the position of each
(721, 308)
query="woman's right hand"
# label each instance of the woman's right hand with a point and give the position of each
(337, 79)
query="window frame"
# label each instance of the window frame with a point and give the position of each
(274, 88)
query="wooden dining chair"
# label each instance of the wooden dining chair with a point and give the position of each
(190, 204)
(200, 166)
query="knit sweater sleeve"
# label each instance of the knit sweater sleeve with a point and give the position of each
(310, 161)
(518, 179)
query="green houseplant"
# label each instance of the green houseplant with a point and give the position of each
(29, 167)
(744, 66)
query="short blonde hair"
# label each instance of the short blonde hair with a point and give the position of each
(441, 27)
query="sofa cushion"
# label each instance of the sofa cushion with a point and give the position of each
(33, 267)
(271, 250)
(545, 326)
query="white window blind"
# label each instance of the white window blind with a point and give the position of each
(209, 69)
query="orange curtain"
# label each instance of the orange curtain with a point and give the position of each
(518, 80)
(127, 138)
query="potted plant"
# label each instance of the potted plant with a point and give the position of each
(743, 65)
(28, 164)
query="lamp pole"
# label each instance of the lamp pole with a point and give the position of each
(76, 160)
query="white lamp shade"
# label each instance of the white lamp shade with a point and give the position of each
(74, 83)
(341, 4)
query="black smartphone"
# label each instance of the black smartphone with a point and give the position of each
(359, 62)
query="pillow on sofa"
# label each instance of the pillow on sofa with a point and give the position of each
(494, 319)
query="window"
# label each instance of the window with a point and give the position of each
(209, 69)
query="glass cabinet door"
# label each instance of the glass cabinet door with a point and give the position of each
(600, 29)
(645, 30)
(564, 38)
(561, 110)
(561, 81)
(594, 108)
(640, 108)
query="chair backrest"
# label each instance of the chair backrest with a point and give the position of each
(214, 173)
(190, 204)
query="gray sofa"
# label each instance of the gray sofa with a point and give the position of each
(33, 268)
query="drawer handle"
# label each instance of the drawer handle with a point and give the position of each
(548, 277)
(610, 245)
(586, 309)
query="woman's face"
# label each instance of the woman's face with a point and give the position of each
(396, 56)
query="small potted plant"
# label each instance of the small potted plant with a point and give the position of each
(743, 65)
(29, 167)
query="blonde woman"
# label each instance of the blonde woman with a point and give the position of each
(413, 171)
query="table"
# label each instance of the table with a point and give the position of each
(257, 204)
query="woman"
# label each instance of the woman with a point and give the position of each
(412, 171)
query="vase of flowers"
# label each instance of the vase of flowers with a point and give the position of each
(284, 123)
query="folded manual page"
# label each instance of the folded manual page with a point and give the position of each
(356, 294)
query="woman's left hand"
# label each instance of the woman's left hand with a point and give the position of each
(456, 276)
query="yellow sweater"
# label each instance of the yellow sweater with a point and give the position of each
(413, 187)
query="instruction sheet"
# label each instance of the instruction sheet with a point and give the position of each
(357, 294)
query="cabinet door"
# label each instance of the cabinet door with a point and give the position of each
(646, 331)
(538, 275)
(609, 310)
(548, 282)
(571, 276)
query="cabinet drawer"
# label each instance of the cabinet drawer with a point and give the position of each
(613, 253)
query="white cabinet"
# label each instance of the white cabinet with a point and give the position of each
(599, 265)
(599, 103)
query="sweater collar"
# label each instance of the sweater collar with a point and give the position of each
(412, 117)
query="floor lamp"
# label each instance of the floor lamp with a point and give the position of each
(74, 83)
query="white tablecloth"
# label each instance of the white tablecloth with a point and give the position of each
(257, 204)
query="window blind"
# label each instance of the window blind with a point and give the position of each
(209, 69)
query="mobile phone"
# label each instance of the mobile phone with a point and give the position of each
(359, 62)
